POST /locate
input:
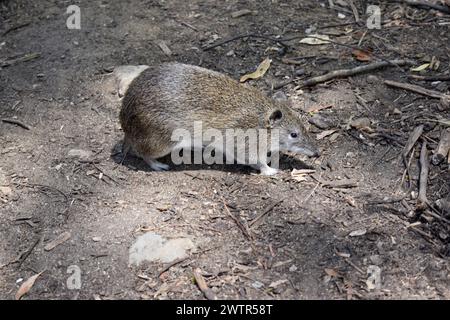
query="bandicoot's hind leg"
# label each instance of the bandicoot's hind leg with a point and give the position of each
(155, 152)
(155, 164)
(126, 148)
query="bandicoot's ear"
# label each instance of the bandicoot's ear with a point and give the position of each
(274, 117)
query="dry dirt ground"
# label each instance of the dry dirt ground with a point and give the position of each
(315, 242)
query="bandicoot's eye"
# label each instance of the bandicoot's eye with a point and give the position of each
(294, 134)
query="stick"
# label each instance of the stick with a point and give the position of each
(430, 78)
(251, 35)
(354, 9)
(16, 27)
(27, 57)
(427, 5)
(17, 122)
(422, 198)
(344, 183)
(351, 72)
(260, 216)
(170, 265)
(442, 149)
(201, 283)
(243, 228)
(416, 89)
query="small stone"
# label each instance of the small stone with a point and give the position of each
(230, 53)
(397, 111)
(293, 268)
(96, 239)
(151, 247)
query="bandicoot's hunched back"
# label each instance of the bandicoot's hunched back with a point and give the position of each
(171, 96)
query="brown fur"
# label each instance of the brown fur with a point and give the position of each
(173, 95)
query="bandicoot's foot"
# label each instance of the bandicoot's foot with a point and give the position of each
(156, 165)
(268, 171)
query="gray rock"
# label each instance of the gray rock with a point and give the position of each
(152, 247)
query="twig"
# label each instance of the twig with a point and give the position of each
(443, 148)
(16, 27)
(344, 183)
(251, 35)
(311, 193)
(24, 255)
(17, 122)
(435, 215)
(187, 25)
(358, 48)
(426, 5)
(201, 283)
(351, 72)
(354, 266)
(260, 216)
(430, 78)
(424, 165)
(172, 264)
(415, 135)
(27, 57)
(416, 89)
(354, 9)
(241, 226)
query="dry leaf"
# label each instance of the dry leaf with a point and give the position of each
(26, 286)
(361, 55)
(421, 67)
(260, 71)
(325, 133)
(316, 39)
